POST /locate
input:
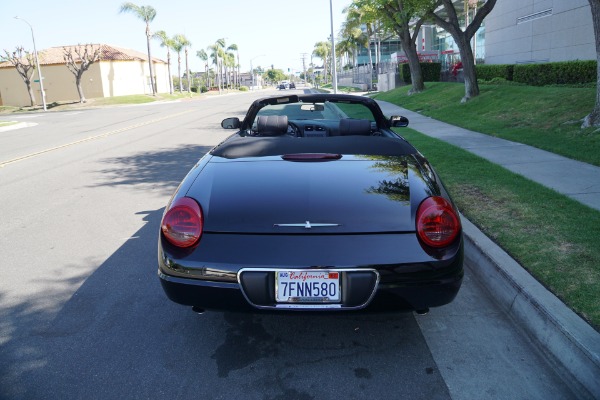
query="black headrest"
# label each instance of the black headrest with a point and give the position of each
(350, 126)
(272, 125)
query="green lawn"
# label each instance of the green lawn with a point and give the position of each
(548, 118)
(552, 236)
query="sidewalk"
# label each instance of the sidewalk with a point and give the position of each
(575, 179)
(571, 345)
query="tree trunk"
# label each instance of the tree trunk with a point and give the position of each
(408, 45)
(31, 94)
(468, 62)
(593, 118)
(79, 88)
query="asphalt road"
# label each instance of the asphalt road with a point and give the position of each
(82, 314)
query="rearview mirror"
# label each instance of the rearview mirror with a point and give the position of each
(231, 123)
(398, 121)
(312, 107)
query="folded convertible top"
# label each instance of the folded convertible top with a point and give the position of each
(250, 146)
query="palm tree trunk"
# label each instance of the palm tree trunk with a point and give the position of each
(148, 36)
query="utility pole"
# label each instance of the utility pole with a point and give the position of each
(37, 64)
(333, 49)
(304, 66)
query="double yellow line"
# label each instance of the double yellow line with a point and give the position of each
(100, 136)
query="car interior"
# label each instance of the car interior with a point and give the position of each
(314, 120)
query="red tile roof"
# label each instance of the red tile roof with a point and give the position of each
(55, 55)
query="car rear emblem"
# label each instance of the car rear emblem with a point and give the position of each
(306, 225)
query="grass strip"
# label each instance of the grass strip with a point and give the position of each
(552, 236)
(546, 117)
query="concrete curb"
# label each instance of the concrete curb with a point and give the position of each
(570, 344)
(17, 126)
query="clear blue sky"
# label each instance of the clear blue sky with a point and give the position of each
(269, 31)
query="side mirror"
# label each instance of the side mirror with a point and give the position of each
(398, 121)
(231, 123)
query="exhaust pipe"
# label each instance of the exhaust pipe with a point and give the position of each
(198, 310)
(422, 312)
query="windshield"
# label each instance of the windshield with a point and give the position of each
(319, 111)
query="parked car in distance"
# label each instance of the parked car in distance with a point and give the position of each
(315, 204)
(292, 85)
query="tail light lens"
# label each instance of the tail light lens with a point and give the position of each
(182, 224)
(437, 222)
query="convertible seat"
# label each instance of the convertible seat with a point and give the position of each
(353, 127)
(272, 125)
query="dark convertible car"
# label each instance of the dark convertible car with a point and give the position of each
(313, 204)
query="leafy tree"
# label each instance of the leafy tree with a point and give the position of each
(593, 118)
(167, 42)
(447, 18)
(23, 62)
(80, 62)
(274, 75)
(399, 15)
(147, 14)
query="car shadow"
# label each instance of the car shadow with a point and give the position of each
(162, 170)
(118, 336)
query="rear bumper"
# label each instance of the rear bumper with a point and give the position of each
(405, 277)
(227, 296)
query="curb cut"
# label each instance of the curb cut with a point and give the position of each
(570, 344)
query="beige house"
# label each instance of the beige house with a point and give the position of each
(119, 72)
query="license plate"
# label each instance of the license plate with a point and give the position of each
(307, 286)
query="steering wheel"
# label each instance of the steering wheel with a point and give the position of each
(293, 129)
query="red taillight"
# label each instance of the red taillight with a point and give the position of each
(437, 222)
(182, 224)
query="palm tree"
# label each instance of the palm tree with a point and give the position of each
(360, 15)
(229, 62)
(322, 50)
(217, 53)
(201, 54)
(167, 42)
(147, 14)
(185, 43)
(236, 71)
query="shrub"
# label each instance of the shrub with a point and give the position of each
(431, 72)
(243, 88)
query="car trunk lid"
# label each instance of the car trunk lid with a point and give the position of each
(305, 195)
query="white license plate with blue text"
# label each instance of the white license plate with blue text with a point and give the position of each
(307, 286)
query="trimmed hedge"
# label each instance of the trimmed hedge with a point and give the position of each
(489, 72)
(569, 72)
(542, 74)
(432, 72)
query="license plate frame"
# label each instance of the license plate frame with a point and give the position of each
(308, 286)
